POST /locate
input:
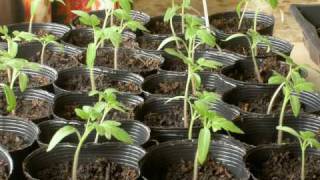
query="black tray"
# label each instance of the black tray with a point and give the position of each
(307, 17)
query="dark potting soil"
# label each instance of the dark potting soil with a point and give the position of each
(78, 24)
(100, 169)
(127, 61)
(245, 50)
(160, 27)
(27, 109)
(67, 112)
(4, 170)
(266, 69)
(34, 80)
(211, 170)
(81, 82)
(149, 44)
(58, 60)
(178, 66)
(230, 25)
(288, 166)
(12, 141)
(260, 104)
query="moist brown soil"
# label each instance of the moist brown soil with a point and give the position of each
(178, 66)
(4, 170)
(100, 169)
(266, 68)
(287, 166)
(12, 141)
(211, 170)
(127, 61)
(78, 25)
(160, 27)
(149, 44)
(28, 109)
(245, 50)
(58, 60)
(67, 112)
(34, 80)
(81, 82)
(230, 25)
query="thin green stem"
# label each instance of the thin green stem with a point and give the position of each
(302, 175)
(255, 20)
(106, 111)
(115, 56)
(30, 24)
(182, 20)
(206, 15)
(242, 15)
(92, 80)
(185, 103)
(256, 67)
(193, 118)
(195, 167)
(281, 118)
(274, 96)
(174, 33)
(42, 53)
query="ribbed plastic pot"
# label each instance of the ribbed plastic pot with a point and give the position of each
(257, 156)
(39, 159)
(260, 130)
(311, 101)
(6, 160)
(154, 30)
(30, 50)
(225, 58)
(277, 45)
(26, 129)
(135, 15)
(210, 82)
(121, 76)
(35, 94)
(83, 36)
(135, 57)
(57, 30)
(154, 165)
(81, 99)
(165, 133)
(150, 43)
(265, 20)
(139, 132)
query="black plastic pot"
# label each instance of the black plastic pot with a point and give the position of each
(77, 99)
(26, 129)
(57, 30)
(172, 63)
(260, 130)
(262, 19)
(210, 82)
(277, 45)
(120, 76)
(6, 160)
(257, 156)
(165, 133)
(132, 60)
(35, 94)
(154, 165)
(82, 37)
(139, 132)
(135, 15)
(39, 159)
(32, 51)
(150, 43)
(311, 101)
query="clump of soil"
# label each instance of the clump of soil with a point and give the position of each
(100, 169)
(81, 83)
(128, 61)
(266, 68)
(230, 25)
(160, 27)
(28, 109)
(34, 80)
(210, 170)
(4, 170)
(12, 141)
(58, 60)
(287, 166)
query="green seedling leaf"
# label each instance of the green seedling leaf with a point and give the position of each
(91, 55)
(170, 13)
(196, 79)
(206, 37)
(60, 135)
(235, 36)
(82, 114)
(87, 19)
(90, 3)
(276, 78)
(288, 130)
(34, 6)
(121, 135)
(10, 98)
(179, 55)
(220, 123)
(169, 40)
(125, 4)
(136, 25)
(295, 105)
(209, 63)
(122, 14)
(23, 81)
(304, 86)
(273, 3)
(203, 144)
(186, 3)
(12, 49)
(239, 6)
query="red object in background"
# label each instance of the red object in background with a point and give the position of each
(43, 13)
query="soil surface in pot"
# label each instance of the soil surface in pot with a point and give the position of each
(178, 66)
(81, 82)
(266, 69)
(34, 80)
(288, 166)
(160, 27)
(230, 25)
(4, 170)
(58, 60)
(12, 141)
(245, 50)
(67, 112)
(27, 109)
(127, 61)
(210, 170)
(100, 169)
(78, 24)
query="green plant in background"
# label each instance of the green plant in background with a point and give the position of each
(291, 86)
(91, 114)
(211, 121)
(195, 35)
(108, 99)
(170, 13)
(45, 41)
(34, 6)
(306, 139)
